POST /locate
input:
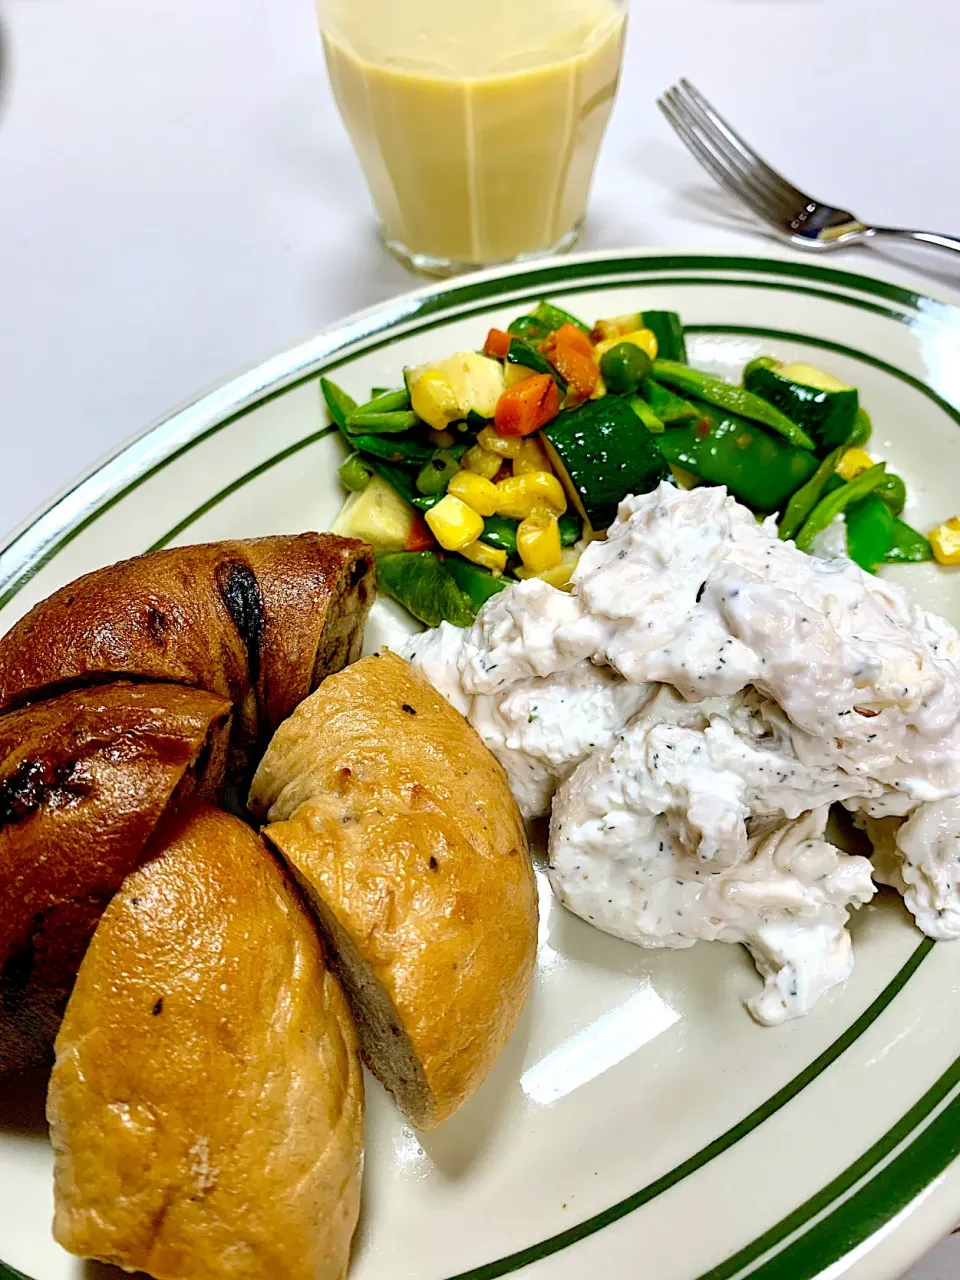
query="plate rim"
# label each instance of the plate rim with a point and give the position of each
(40, 538)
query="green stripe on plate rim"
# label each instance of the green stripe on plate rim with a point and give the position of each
(174, 436)
(445, 301)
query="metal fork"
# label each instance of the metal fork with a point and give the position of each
(798, 218)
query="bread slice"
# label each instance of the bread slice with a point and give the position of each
(401, 830)
(206, 1105)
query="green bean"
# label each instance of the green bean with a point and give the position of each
(382, 423)
(807, 497)
(647, 416)
(736, 399)
(385, 402)
(355, 475)
(338, 402)
(828, 508)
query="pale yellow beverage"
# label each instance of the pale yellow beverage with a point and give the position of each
(477, 122)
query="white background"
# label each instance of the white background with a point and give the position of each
(178, 198)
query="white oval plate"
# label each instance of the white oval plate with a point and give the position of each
(639, 1122)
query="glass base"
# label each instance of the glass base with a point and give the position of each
(442, 268)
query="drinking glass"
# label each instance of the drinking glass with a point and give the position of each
(477, 122)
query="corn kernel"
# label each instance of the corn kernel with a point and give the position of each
(502, 446)
(532, 457)
(434, 400)
(560, 576)
(645, 339)
(486, 557)
(481, 463)
(476, 491)
(945, 540)
(538, 542)
(853, 462)
(522, 496)
(454, 524)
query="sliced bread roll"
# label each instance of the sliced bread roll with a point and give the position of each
(401, 830)
(206, 1105)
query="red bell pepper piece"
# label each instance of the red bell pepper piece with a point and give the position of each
(497, 344)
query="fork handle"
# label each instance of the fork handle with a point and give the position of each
(924, 237)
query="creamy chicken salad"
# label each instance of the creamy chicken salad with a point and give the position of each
(689, 711)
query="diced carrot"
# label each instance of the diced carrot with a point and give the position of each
(528, 406)
(571, 353)
(497, 344)
(419, 538)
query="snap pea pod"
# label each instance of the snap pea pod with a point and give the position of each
(762, 470)
(555, 317)
(392, 449)
(828, 508)
(647, 416)
(389, 423)
(338, 402)
(870, 525)
(893, 491)
(907, 545)
(385, 402)
(670, 408)
(807, 496)
(437, 473)
(425, 587)
(716, 392)
(355, 475)
(862, 428)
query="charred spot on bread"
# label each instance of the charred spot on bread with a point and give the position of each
(411, 711)
(157, 625)
(35, 783)
(433, 864)
(158, 1008)
(359, 571)
(15, 979)
(240, 593)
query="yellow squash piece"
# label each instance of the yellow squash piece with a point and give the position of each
(853, 462)
(454, 524)
(378, 516)
(486, 557)
(522, 496)
(476, 491)
(447, 391)
(538, 542)
(945, 540)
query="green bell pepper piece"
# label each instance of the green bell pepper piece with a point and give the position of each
(870, 526)
(425, 587)
(828, 508)
(477, 584)
(436, 474)
(716, 392)
(530, 329)
(907, 545)
(760, 469)
(571, 529)
(807, 496)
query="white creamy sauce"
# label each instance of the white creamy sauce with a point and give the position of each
(693, 708)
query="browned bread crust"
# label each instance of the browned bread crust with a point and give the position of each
(259, 622)
(84, 780)
(256, 624)
(206, 1106)
(401, 830)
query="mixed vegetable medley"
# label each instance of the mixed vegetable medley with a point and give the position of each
(492, 466)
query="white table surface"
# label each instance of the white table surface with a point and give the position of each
(178, 198)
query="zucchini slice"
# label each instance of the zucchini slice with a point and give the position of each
(816, 401)
(602, 452)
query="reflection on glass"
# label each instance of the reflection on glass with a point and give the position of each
(597, 1048)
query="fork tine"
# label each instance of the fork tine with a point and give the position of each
(739, 142)
(777, 196)
(709, 161)
(771, 209)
